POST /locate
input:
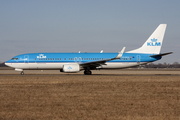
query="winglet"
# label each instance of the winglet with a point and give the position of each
(120, 53)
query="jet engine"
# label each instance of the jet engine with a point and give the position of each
(70, 68)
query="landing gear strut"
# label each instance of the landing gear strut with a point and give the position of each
(22, 73)
(87, 72)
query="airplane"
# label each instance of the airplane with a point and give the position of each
(76, 62)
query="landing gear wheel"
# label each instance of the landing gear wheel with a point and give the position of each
(87, 72)
(22, 73)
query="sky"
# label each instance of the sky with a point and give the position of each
(33, 26)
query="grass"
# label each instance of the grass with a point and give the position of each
(90, 97)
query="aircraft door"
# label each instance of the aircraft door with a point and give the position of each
(138, 58)
(26, 58)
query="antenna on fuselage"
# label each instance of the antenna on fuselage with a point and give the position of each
(101, 51)
(79, 51)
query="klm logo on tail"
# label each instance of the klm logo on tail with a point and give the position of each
(153, 43)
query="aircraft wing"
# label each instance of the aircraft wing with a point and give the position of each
(101, 62)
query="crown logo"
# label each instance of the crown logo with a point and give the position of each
(153, 40)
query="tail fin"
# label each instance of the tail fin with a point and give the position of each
(154, 42)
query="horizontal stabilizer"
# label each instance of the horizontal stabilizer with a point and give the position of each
(163, 54)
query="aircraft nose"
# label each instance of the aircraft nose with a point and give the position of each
(7, 63)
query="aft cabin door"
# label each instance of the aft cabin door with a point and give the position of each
(138, 58)
(26, 59)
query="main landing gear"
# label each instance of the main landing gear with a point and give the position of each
(87, 72)
(22, 73)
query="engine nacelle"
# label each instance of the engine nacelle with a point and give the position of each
(70, 68)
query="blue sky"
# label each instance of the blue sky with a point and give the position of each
(86, 25)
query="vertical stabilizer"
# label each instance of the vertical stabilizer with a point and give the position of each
(153, 43)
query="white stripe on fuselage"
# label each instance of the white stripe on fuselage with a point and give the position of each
(60, 65)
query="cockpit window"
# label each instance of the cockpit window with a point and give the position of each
(14, 59)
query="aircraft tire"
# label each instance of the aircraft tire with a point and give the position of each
(87, 72)
(22, 73)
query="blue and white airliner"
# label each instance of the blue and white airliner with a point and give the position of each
(75, 62)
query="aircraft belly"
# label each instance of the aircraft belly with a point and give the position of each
(45, 65)
(121, 65)
(37, 65)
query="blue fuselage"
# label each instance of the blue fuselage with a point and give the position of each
(80, 57)
(58, 60)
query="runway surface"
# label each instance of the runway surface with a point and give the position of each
(6, 71)
(103, 96)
